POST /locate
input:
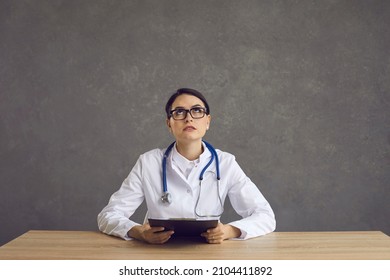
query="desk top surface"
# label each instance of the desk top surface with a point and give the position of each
(277, 245)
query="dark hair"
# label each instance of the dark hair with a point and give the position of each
(188, 91)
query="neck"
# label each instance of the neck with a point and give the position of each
(190, 151)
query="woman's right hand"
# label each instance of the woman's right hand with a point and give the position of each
(153, 235)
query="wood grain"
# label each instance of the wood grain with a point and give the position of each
(278, 245)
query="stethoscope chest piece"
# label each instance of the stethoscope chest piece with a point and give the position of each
(166, 198)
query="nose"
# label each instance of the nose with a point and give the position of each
(188, 117)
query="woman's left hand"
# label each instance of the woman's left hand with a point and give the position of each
(220, 233)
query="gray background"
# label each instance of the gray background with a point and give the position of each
(299, 92)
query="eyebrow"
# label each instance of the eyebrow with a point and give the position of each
(193, 106)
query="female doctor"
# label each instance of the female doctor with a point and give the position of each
(177, 183)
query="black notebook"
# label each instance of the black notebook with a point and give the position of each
(184, 227)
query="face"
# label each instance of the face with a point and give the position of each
(189, 129)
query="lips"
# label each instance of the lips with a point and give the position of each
(189, 128)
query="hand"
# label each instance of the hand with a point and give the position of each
(220, 233)
(153, 235)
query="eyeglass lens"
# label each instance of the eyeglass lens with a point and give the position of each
(196, 113)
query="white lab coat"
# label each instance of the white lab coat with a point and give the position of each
(145, 183)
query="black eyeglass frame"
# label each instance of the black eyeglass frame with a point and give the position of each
(188, 111)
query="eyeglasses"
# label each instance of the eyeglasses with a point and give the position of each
(181, 114)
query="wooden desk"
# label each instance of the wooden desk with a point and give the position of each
(278, 245)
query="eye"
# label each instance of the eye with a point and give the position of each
(180, 111)
(197, 110)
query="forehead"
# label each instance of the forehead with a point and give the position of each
(187, 101)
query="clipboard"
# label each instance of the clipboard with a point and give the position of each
(184, 227)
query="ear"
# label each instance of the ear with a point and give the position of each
(168, 124)
(208, 122)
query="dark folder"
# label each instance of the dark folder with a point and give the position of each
(184, 227)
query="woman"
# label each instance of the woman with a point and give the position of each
(188, 119)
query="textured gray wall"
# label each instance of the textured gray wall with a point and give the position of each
(299, 92)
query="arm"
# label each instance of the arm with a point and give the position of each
(258, 217)
(246, 199)
(114, 218)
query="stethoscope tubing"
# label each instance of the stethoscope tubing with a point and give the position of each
(166, 197)
(164, 167)
(213, 156)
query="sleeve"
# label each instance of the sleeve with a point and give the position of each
(114, 219)
(257, 215)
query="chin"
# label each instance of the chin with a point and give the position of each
(189, 139)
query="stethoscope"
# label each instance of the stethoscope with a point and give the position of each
(167, 198)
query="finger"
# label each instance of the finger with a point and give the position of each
(162, 234)
(208, 234)
(215, 230)
(159, 238)
(156, 229)
(214, 235)
(215, 240)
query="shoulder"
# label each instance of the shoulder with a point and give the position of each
(150, 161)
(230, 167)
(155, 154)
(225, 156)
